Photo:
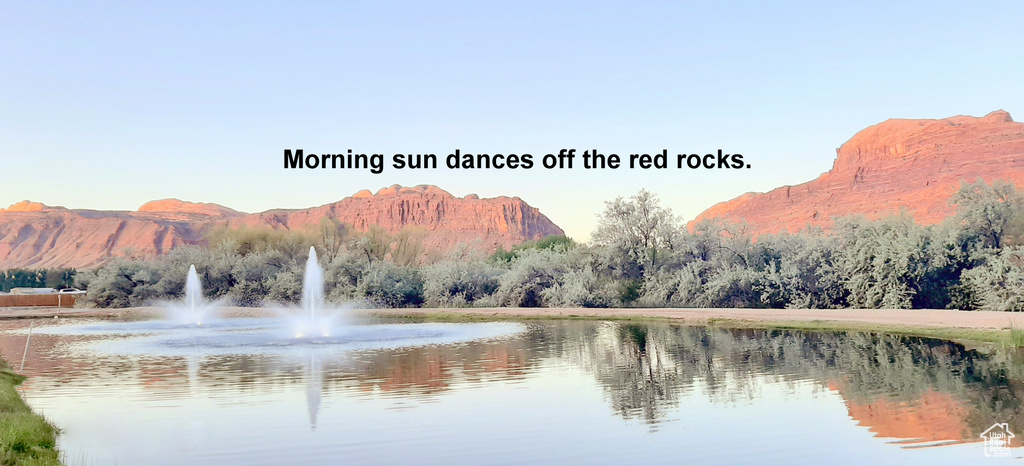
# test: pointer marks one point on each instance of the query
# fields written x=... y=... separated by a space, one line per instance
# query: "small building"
x=50 y=297
x=24 y=291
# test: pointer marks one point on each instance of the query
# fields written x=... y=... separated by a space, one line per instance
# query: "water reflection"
x=909 y=388
x=915 y=392
x=314 y=388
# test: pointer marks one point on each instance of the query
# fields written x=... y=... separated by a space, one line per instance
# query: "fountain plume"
x=194 y=310
x=314 y=323
x=193 y=294
x=313 y=286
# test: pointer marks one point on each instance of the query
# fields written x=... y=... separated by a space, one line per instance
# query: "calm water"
x=560 y=392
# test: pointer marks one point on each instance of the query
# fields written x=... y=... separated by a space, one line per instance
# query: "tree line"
x=640 y=255
x=36 y=278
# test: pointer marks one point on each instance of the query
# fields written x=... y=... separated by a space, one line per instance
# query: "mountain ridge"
x=35 y=235
x=910 y=164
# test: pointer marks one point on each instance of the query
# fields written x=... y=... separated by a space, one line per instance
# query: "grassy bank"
x=1009 y=338
x=25 y=437
x=1004 y=338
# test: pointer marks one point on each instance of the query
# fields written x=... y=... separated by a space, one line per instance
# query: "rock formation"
x=39 y=236
x=897 y=164
x=185 y=209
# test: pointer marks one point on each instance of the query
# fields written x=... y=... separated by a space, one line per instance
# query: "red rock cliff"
x=912 y=164
x=34 y=235
x=483 y=224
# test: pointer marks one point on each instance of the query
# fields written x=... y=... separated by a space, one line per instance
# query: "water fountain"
x=193 y=295
x=189 y=331
x=313 y=322
x=194 y=310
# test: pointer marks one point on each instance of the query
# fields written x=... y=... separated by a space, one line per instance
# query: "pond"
x=536 y=392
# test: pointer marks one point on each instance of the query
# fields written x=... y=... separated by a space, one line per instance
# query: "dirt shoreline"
x=927 y=319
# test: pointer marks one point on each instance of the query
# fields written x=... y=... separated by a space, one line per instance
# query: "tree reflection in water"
x=903 y=387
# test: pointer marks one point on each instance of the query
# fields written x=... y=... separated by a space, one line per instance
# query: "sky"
x=108 y=105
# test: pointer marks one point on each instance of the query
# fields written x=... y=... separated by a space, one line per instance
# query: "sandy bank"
x=879 y=317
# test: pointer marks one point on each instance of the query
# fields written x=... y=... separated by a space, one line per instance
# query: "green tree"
x=992 y=215
x=998 y=283
x=881 y=262
x=640 y=229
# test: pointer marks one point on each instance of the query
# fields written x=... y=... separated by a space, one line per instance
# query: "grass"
x=959 y=335
x=456 y=316
x=1011 y=337
x=1016 y=338
x=25 y=437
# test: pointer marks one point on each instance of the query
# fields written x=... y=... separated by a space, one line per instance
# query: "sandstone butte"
x=914 y=165
x=39 y=236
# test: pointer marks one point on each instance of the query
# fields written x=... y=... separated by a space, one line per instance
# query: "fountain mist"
x=313 y=323
x=193 y=294
x=194 y=309
x=313 y=286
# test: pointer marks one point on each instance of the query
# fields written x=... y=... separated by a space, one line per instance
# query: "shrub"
x=528 y=275
x=458 y=284
x=389 y=285
x=998 y=284
x=581 y=288
x=122 y=284
x=881 y=262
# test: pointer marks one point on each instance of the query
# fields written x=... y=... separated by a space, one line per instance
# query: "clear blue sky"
x=109 y=105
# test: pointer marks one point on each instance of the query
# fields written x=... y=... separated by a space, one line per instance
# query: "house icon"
x=997 y=439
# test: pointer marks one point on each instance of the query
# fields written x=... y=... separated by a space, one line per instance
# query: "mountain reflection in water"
x=915 y=392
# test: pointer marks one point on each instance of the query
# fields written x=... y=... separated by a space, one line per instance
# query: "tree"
x=992 y=215
x=332 y=236
x=640 y=229
x=373 y=243
x=407 y=246
x=800 y=272
x=881 y=261
x=998 y=284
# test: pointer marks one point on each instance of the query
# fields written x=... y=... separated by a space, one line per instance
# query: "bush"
x=881 y=262
x=998 y=284
x=122 y=284
x=528 y=275
x=458 y=284
x=641 y=255
x=386 y=284
x=699 y=284
x=559 y=243
x=582 y=288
